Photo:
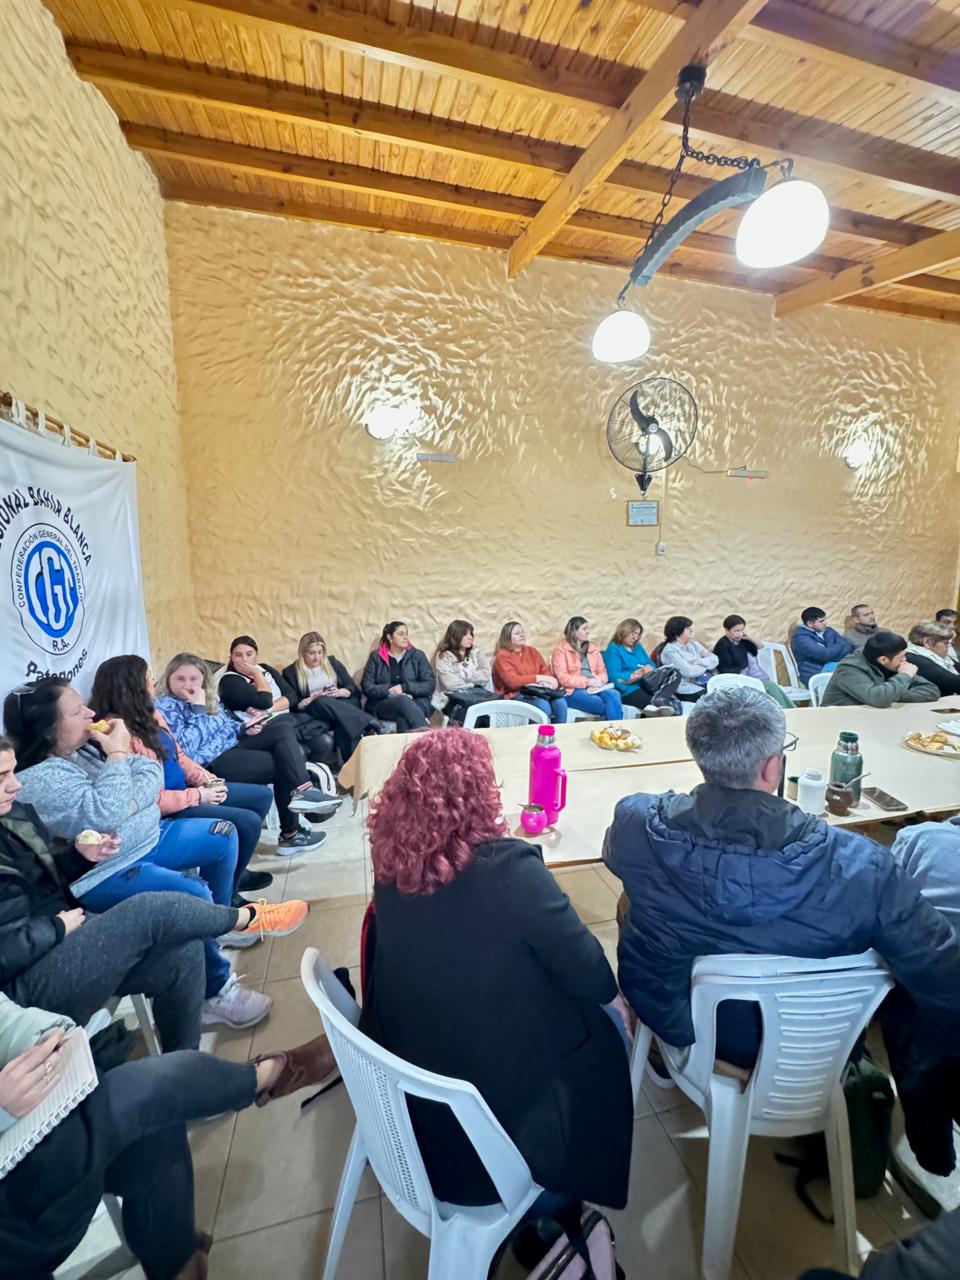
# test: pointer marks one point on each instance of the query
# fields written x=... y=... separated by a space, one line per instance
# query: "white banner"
x=70 y=588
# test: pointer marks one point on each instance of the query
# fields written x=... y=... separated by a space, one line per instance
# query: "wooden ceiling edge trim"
x=280 y=166
x=889 y=268
x=284 y=167
x=714 y=22
x=269 y=206
x=366 y=122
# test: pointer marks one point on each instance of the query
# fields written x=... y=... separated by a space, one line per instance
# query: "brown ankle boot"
x=196 y=1268
x=309 y=1064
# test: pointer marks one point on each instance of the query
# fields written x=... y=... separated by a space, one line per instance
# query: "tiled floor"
x=267 y=1179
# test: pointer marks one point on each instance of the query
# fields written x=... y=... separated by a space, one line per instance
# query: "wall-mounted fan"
x=651 y=426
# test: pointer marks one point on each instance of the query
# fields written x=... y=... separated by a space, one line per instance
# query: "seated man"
x=864 y=625
x=816 y=646
x=732 y=868
x=879 y=676
x=948 y=618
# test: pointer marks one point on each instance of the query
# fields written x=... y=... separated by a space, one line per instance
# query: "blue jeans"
x=606 y=704
x=183 y=845
x=246 y=806
x=555 y=709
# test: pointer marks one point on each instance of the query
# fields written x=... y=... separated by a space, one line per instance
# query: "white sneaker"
x=235 y=1005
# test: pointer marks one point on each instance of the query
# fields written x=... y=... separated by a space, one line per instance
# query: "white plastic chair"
x=813 y=1011
x=767 y=658
x=463 y=1240
x=144 y=1015
x=504 y=714
x=733 y=678
x=818 y=687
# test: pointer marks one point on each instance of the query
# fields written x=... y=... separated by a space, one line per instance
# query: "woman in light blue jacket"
x=634 y=676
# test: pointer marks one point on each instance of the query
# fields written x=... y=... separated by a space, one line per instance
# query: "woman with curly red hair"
x=482 y=970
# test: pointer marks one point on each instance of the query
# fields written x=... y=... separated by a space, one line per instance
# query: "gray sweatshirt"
x=115 y=797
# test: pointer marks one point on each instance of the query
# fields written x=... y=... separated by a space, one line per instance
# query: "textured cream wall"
x=84 y=296
x=285 y=332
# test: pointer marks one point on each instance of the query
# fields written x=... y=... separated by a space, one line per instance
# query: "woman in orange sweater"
x=519 y=671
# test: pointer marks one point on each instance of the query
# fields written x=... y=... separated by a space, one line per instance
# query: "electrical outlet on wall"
x=661 y=548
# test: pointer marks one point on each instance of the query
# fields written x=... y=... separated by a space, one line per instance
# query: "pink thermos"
x=548 y=780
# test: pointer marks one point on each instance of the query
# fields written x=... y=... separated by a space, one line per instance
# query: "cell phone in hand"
x=883 y=800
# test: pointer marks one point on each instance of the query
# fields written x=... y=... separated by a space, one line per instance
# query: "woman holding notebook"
x=67 y=1137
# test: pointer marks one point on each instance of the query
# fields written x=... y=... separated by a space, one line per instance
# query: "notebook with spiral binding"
x=78 y=1080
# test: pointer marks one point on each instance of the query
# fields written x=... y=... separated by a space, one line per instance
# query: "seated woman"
x=256 y=693
x=929 y=651
x=471 y=920
x=520 y=671
x=78 y=778
x=580 y=672
x=463 y=673
x=123 y=689
x=325 y=690
x=53 y=954
x=254 y=753
x=640 y=684
x=397 y=681
x=736 y=654
x=127 y=1137
x=688 y=656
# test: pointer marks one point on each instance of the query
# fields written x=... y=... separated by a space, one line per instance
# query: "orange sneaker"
x=275 y=919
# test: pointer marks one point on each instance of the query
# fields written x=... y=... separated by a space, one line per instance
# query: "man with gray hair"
x=733 y=868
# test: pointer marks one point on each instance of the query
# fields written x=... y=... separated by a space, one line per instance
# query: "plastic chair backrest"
x=379 y=1083
x=813 y=1012
x=818 y=687
x=767 y=658
x=504 y=714
x=732 y=678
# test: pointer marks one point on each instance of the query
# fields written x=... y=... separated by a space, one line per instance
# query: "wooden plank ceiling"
x=540 y=126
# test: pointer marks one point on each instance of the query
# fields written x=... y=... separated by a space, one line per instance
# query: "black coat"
x=494 y=979
x=948 y=682
x=33 y=889
x=344 y=681
x=416 y=678
x=237 y=693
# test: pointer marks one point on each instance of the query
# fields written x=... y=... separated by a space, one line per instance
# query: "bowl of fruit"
x=611 y=738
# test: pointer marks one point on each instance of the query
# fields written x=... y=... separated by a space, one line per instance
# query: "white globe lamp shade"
x=620 y=336
x=387 y=421
x=783 y=225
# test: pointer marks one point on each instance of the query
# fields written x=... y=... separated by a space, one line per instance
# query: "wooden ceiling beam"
x=714 y=22
x=835 y=42
x=295 y=106
x=418 y=49
x=922 y=173
x=889 y=268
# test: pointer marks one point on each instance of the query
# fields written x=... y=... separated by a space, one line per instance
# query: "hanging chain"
x=688 y=94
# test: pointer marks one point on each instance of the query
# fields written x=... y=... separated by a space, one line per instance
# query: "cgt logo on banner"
x=69 y=561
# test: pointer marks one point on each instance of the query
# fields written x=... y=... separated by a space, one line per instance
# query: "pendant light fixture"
x=784 y=222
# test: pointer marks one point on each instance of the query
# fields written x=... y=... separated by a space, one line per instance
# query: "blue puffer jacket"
x=814 y=649
x=724 y=872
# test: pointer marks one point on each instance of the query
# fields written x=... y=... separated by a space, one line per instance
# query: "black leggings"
x=272 y=755
x=408 y=713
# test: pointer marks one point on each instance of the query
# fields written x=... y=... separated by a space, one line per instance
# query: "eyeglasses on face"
x=790 y=743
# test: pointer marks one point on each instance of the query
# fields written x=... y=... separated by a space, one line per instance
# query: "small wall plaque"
x=643 y=514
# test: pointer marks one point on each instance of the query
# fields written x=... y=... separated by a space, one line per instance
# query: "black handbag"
x=542 y=691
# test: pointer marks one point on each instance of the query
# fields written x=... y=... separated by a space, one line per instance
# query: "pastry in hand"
x=89 y=837
x=99 y=726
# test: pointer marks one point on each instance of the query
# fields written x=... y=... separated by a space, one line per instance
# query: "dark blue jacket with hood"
x=723 y=871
